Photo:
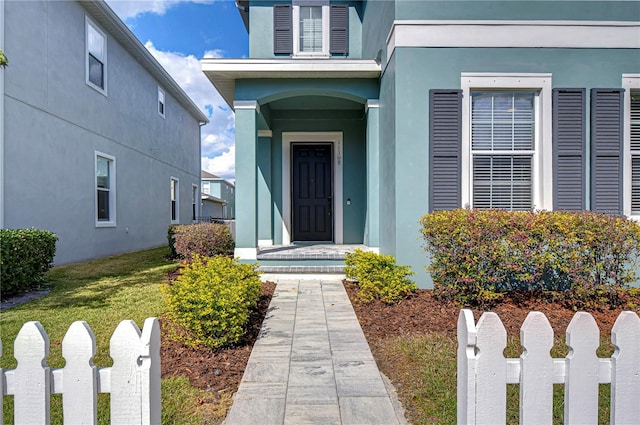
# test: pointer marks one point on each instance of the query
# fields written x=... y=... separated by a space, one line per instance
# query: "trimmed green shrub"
x=211 y=300
x=478 y=255
x=25 y=256
x=205 y=239
x=379 y=277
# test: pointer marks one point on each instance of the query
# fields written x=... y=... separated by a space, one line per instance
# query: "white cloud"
x=223 y=165
x=218 y=137
x=130 y=9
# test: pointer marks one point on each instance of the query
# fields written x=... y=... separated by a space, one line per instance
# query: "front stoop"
x=302 y=259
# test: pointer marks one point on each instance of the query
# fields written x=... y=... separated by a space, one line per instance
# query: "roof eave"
x=223 y=73
x=102 y=13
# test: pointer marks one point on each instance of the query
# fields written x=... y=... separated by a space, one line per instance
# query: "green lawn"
x=426 y=367
x=101 y=292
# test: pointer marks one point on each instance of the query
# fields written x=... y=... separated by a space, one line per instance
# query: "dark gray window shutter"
x=606 y=150
x=282 y=29
x=569 y=138
x=445 y=138
x=339 y=29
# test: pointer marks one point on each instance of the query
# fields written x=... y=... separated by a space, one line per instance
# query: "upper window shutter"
x=606 y=150
x=445 y=139
x=568 y=149
x=339 y=34
x=282 y=29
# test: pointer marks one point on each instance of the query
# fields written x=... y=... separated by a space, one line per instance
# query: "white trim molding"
x=542 y=196
x=223 y=73
x=246 y=253
x=312 y=137
x=265 y=133
x=265 y=242
x=2 y=118
x=371 y=103
x=246 y=104
x=629 y=82
x=496 y=33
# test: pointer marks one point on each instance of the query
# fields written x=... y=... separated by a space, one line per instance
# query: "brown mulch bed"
x=421 y=313
x=214 y=370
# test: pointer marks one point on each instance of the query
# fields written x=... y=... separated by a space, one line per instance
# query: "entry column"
x=246 y=178
x=372 y=237
x=265 y=202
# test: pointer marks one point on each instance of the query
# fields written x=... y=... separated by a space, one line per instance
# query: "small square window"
x=161 y=102
x=96 y=57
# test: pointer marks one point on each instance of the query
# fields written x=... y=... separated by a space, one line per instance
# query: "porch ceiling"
x=223 y=73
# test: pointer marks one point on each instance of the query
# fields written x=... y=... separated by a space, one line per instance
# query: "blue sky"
x=180 y=33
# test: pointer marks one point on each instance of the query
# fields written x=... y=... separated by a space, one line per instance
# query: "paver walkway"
x=311 y=363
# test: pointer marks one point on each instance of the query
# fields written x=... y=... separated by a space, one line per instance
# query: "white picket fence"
x=133 y=381
x=484 y=372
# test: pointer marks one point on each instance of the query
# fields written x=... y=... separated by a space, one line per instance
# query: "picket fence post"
x=31 y=403
x=536 y=379
x=133 y=356
x=466 y=367
x=581 y=378
x=133 y=380
x=625 y=370
x=483 y=372
x=80 y=385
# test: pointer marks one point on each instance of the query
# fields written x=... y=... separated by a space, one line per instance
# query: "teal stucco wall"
x=404 y=100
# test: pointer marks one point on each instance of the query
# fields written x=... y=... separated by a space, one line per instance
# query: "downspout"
x=2 y=71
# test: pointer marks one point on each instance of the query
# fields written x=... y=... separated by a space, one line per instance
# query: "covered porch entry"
x=307 y=160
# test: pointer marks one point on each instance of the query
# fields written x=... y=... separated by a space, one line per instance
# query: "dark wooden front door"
x=312 y=192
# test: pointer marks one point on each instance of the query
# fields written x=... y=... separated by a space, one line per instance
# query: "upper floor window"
x=161 y=102
x=105 y=190
x=96 y=55
x=310 y=31
x=311 y=28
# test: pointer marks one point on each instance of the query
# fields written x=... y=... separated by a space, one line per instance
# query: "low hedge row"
x=204 y=239
x=477 y=255
x=25 y=256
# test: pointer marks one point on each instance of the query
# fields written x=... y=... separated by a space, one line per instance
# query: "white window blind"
x=311 y=28
x=635 y=152
x=502 y=147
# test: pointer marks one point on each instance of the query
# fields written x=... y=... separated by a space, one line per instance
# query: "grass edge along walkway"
x=101 y=292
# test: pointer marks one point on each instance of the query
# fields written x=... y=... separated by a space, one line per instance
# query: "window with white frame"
x=507 y=158
x=96 y=54
x=311 y=28
x=194 y=202
x=503 y=131
x=161 y=102
x=631 y=167
x=105 y=172
x=175 y=200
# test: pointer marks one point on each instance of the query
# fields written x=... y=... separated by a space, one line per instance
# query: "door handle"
x=330 y=204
